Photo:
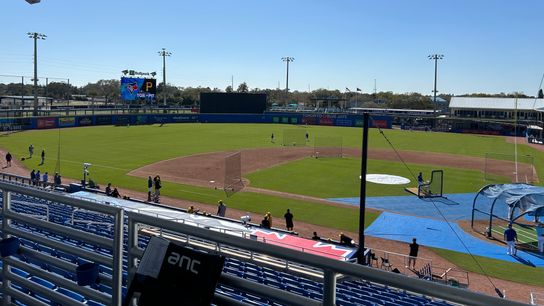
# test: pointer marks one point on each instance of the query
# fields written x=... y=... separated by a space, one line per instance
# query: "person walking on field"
x=149 y=188
x=511 y=238
x=43 y=157
x=31 y=150
x=8 y=160
x=288 y=220
x=272 y=138
x=414 y=249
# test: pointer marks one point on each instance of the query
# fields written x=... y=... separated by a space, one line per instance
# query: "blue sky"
x=488 y=45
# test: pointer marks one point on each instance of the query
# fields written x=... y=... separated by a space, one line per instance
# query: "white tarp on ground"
x=387 y=179
x=160 y=212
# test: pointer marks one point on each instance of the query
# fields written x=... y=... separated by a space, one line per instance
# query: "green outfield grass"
x=339 y=177
x=495 y=268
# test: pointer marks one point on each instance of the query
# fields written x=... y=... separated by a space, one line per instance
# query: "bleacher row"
x=349 y=292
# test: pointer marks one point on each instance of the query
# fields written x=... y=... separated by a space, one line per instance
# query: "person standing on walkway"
x=511 y=238
x=540 y=236
x=221 y=208
x=414 y=249
x=149 y=188
x=45 y=179
x=38 y=177
x=288 y=220
x=158 y=186
x=8 y=160
x=33 y=177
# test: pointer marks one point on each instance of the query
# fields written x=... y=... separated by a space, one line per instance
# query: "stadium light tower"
x=36 y=36
x=435 y=57
x=164 y=54
x=287 y=59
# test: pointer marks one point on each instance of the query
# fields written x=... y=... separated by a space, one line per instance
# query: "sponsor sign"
x=83 y=121
x=67 y=121
x=46 y=123
x=103 y=120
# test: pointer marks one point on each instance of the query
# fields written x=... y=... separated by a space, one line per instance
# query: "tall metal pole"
x=36 y=36
x=164 y=54
x=435 y=57
x=287 y=59
x=361 y=259
x=164 y=79
x=35 y=74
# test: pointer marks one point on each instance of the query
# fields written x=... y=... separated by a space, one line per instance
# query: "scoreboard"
x=138 y=89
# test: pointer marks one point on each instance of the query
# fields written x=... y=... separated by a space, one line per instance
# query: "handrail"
x=328 y=265
x=115 y=244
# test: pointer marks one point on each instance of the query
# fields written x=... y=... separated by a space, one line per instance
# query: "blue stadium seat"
x=73 y=295
x=93 y=303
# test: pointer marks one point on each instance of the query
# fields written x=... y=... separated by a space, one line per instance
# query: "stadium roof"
x=497 y=103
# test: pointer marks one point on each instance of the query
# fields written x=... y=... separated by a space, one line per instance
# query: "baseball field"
x=189 y=156
x=190 y=160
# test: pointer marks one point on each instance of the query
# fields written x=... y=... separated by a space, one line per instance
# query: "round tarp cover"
x=387 y=179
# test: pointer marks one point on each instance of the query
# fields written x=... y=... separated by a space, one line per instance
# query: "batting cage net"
x=328 y=146
x=499 y=167
x=233 y=174
x=294 y=137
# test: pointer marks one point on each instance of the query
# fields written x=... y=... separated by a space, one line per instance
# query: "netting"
x=294 y=137
x=328 y=146
x=233 y=174
x=509 y=168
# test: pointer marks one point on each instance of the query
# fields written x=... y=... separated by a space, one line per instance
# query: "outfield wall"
x=350 y=120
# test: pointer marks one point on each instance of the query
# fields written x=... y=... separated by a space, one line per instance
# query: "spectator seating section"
x=349 y=292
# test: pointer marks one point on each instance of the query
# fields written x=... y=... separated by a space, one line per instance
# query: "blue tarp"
x=528 y=198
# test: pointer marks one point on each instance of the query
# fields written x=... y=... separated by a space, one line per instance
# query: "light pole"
x=36 y=36
x=435 y=57
x=164 y=54
x=287 y=59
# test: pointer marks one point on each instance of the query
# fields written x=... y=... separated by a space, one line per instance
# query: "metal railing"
x=11 y=113
x=331 y=268
x=12 y=225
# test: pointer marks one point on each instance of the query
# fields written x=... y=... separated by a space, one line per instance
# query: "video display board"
x=138 y=89
x=239 y=103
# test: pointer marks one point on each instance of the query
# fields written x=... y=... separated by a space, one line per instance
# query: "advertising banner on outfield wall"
x=141 y=119
x=159 y=118
x=47 y=123
x=103 y=120
x=185 y=118
x=84 y=121
x=67 y=121
x=121 y=120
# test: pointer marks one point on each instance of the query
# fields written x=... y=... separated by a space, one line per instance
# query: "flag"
x=347 y=89
x=359 y=89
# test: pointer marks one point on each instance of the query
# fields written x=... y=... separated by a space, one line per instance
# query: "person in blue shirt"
x=511 y=238
x=420 y=179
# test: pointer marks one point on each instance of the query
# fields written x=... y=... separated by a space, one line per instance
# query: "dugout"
x=237 y=103
x=508 y=202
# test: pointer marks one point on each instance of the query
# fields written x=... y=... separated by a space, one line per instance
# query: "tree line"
x=109 y=90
